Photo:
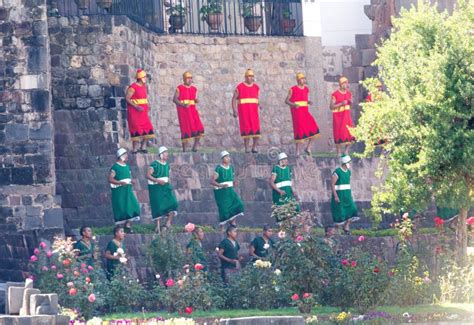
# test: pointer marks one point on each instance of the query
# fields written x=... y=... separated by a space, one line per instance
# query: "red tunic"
x=189 y=121
x=248 y=110
x=304 y=124
x=138 y=122
x=341 y=118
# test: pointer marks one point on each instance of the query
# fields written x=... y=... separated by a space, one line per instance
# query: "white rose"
x=123 y=260
x=120 y=251
x=277 y=272
x=266 y=246
x=157 y=276
x=115 y=254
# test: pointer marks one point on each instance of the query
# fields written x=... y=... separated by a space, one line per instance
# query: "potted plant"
x=212 y=14
x=251 y=21
x=177 y=15
x=286 y=23
x=82 y=4
x=104 y=4
x=304 y=303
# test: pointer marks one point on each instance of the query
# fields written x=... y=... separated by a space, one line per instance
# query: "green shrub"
x=166 y=255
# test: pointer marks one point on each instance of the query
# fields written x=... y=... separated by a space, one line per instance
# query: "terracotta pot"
x=253 y=23
x=215 y=20
x=104 y=4
x=83 y=4
x=177 y=22
x=287 y=25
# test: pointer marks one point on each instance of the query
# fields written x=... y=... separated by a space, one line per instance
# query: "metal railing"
x=215 y=17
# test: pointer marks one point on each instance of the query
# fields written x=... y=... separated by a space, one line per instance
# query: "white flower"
x=277 y=272
x=94 y=321
x=115 y=254
x=157 y=276
x=281 y=234
x=406 y=315
x=120 y=251
x=452 y=316
x=266 y=246
x=217 y=248
x=123 y=260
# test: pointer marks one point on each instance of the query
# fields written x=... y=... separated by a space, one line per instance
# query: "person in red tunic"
x=245 y=102
x=370 y=99
x=139 y=124
x=341 y=101
x=190 y=123
x=304 y=124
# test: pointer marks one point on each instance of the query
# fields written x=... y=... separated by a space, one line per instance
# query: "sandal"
x=254 y=151
x=307 y=152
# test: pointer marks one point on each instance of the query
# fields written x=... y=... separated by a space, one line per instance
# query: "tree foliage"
x=426 y=111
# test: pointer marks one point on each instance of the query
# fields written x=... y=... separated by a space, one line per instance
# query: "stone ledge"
x=34 y=320
x=273 y=320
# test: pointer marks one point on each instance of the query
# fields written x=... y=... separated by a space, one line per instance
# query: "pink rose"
x=59 y=276
x=49 y=254
x=91 y=297
x=188 y=310
x=33 y=258
x=353 y=263
x=44 y=268
x=198 y=267
x=84 y=271
x=70 y=284
x=295 y=297
x=83 y=265
x=306 y=295
x=42 y=244
x=361 y=238
x=189 y=227
x=90 y=268
x=470 y=221
x=169 y=283
x=72 y=291
x=53 y=267
x=36 y=251
x=299 y=238
x=345 y=262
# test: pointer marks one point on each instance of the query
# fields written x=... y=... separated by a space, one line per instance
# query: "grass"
x=460 y=309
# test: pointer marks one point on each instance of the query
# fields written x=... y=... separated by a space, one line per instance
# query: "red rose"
x=376 y=270
x=188 y=310
x=198 y=267
x=72 y=291
x=438 y=221
x=345 y=262
x=306 y=295
x=66 y=263
x=353 y=263
x=295 y=297
x=169 y=283
x=470 y=221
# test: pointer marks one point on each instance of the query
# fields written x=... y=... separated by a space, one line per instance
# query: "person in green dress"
x=162 y=199
x=343 y=208
x=281 y=183
x=85 y=247
x=194 y=248
x=228 y=253
x=115 y=252
x=228 y=202
x=125 y=205
x=261 y=246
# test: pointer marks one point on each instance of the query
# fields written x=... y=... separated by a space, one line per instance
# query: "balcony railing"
x=215 y=17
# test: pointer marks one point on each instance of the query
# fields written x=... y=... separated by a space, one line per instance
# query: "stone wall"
x=28 y=205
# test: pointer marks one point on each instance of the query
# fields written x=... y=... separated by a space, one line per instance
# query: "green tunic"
x=124 y=203
x=197 y=253
x=162 y=198
x=111 y=265
x=231 y=251
x=446 y=213
x=228 y=202
x=284 y=183
x=86 y=251
x=346 y=207
x=259 y=244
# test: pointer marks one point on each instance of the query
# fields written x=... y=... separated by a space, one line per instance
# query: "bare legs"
x=254 y=145
x=339 y=148
x=195 y=145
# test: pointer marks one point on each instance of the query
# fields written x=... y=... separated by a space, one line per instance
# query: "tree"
x=426 y=113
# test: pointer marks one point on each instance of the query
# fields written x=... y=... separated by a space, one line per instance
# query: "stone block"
x=16 y=133
x=33 y=211
x=40 y=101
x=354 y=74
x=27 y=200
x=269 y=320
x=25 y=307
x=5 y=176
x=22 y=176
x=37 y=60
x=31 y=223
x=33 y=81
x=44 y=132
x=15 y=299
x=44 y=304
x=368 y=56
x=6 y=288
x=53 y=218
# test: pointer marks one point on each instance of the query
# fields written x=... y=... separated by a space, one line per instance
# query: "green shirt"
x=259 y=244
x=86 y=251
x=121 y=171
x=112 y=247
x=160 y=169
x=224 y=174
x=231 y=251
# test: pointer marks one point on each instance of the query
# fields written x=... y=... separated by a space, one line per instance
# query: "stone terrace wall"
x=28 y=205
x=88 y=193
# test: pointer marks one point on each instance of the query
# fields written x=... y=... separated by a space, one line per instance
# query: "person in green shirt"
x=125 y=205
x=343 y=208
x=115 y=251
x=281 y=182
x=85 y=246
x=261 y=246
x=228 y=202
x=162 y=199
x=228 y=253
x=194 y=248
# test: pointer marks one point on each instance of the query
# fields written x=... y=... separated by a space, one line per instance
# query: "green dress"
x=162 y=198
x=197 y=253
x=346 y=207
x=284 y=183
x=228 y=202
x=111 y=265
x=231 y=251
x=86 y=251
x=259 y=244
x=124 y=203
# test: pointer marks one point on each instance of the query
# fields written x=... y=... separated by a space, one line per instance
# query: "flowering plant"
x=259 y=264
x=304 y=303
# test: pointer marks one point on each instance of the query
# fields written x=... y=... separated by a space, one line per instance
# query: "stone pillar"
x=28 y=204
